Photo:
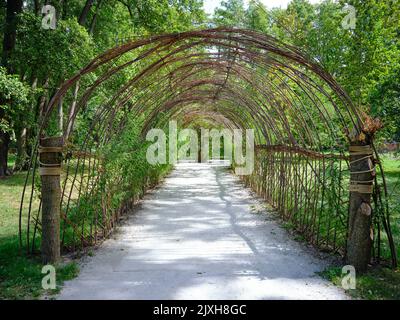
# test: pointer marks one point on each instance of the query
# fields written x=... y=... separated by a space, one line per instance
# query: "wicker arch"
x=304 y=123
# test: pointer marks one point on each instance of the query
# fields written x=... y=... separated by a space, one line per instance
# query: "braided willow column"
x=50 y=170
x=360 y=235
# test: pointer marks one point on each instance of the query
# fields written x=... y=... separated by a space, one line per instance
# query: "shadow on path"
x=196 y=237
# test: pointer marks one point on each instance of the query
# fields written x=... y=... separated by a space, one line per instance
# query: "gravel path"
x=201 y=236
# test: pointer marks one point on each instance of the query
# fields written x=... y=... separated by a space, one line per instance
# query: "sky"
x=209 y=5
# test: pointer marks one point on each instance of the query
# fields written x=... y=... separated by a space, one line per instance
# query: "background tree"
x=13 y=8
x=231 y=13
x=13 y=96
x=43 y=59
x=365 y=61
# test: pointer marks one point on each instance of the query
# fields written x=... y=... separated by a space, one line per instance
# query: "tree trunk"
x=65 y=9
x=13 y=8
x=10 y=30
x=85 y=12
x=36 y=7
x=22 y=160
x=30 y=129
x=40 y=110
x=51 y=198
x=4 y=145
x=360 y=234
x=70 y=122
x=94 y=19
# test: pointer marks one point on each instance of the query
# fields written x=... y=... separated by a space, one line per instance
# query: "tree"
x=13 y=97
x=258 y=17
x=385 y=104
x=231 y=13
x=364 y=60
x=10 y=28
x=85 y=11
x=14 y=7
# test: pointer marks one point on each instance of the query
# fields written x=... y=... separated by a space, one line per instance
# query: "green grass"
x=380 y=283
x=20 y=275
x=391 y=167
x=377 y=284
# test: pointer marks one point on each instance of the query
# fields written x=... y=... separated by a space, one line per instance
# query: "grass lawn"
x=20 y=276
x=380 y=283
x=392 y=173
x=377 y=284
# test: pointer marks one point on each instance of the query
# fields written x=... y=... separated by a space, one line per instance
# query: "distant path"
x=200 y=237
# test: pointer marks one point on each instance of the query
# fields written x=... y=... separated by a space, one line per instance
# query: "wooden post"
x=360 y=233
x=50 y=170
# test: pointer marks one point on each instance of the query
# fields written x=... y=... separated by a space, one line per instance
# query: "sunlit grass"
x=391 y=167
x=20 y=275
x=377 y=284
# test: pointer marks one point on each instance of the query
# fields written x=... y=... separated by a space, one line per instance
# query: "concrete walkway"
x=201 y=236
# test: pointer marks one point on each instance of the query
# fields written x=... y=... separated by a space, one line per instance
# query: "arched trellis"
x=304 y=123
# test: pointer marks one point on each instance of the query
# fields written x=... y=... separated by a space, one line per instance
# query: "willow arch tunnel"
x=315 y=159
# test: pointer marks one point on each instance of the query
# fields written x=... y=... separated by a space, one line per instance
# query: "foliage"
x=124 y=177
x=231 y=14
x=14 y=98
x=364 y=61
x=120 y=21
x=128 y=173
x=56 y=54
x=385 y=103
